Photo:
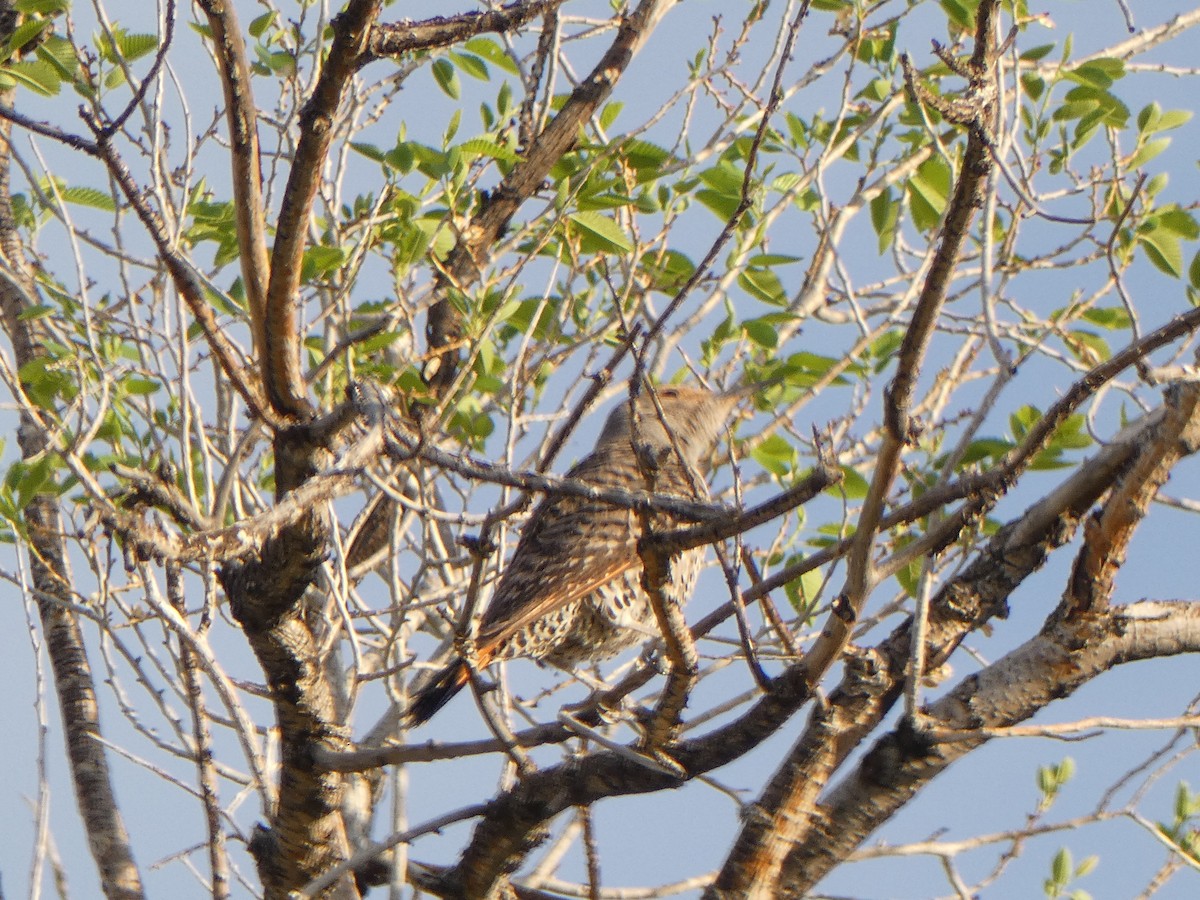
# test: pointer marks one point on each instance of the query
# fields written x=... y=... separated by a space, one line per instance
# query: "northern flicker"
x=572 y=591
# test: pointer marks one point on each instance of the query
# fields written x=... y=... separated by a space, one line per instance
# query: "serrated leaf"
x=447 y=78
x=1148 y=151
x=1100 y=73
x=36 y=74
x=472 y=65
x=370 y=151
x=493 y=53
x=129 y=46
x=1179 y=221
x=319 y=261
x=86 y=196
x=484 y=147
x=646 y=159
x=605 y=229
x=1163 y=250
x=667 y=270
x=26 y=32
x=58 y=52
x=764 y=285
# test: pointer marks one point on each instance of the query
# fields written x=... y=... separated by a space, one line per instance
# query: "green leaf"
x=38 y=75
x=42 y=7
x=1033 y=85
x=853 y=485
x=762 y=333
x=1148 y=151
x=771 y=259
x=1173 y=118
x=1163 y=250
x=1178 y=221
x=447 y=78
x=667 y=270
x=370 y=151
x=140 y=386
x=86 y=196
x=764 y=285
x=1060 y=869
x=776 y=455
x=33 y=479
x=259 y=26
x=885 y=214
x=493 y=53
x=607 y=232
x=725 y=178
x=321 y=261
x=1100 y=73
x=1113 y=318
x=878 y=90
x=1087 y=346
x=609 y=114
x=1024 y=419
x=802 y=592
x=32 y=313
x=127 y=47
x=504 y=104
x=1088 y=864
x=1183 y=802
x=724 y=205
x=59 y=53
x=985 y=448
x=26 y=32
x=1033 y=54
x=929 y=188
x=960 y=12
x=486 y=147
x=472 y=65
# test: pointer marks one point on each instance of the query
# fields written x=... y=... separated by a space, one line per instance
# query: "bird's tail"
x=437 y=693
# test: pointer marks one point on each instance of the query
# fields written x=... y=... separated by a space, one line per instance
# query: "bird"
x=572 y=591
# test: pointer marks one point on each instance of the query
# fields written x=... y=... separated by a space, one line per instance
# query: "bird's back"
x=573 y=587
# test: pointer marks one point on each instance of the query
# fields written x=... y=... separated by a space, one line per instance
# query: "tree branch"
x=1053 y=665
x=398 y=38
x=443 y=329
x=241 y=114
x=283 y=380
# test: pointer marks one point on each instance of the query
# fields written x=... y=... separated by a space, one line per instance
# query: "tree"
x=288 y=379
